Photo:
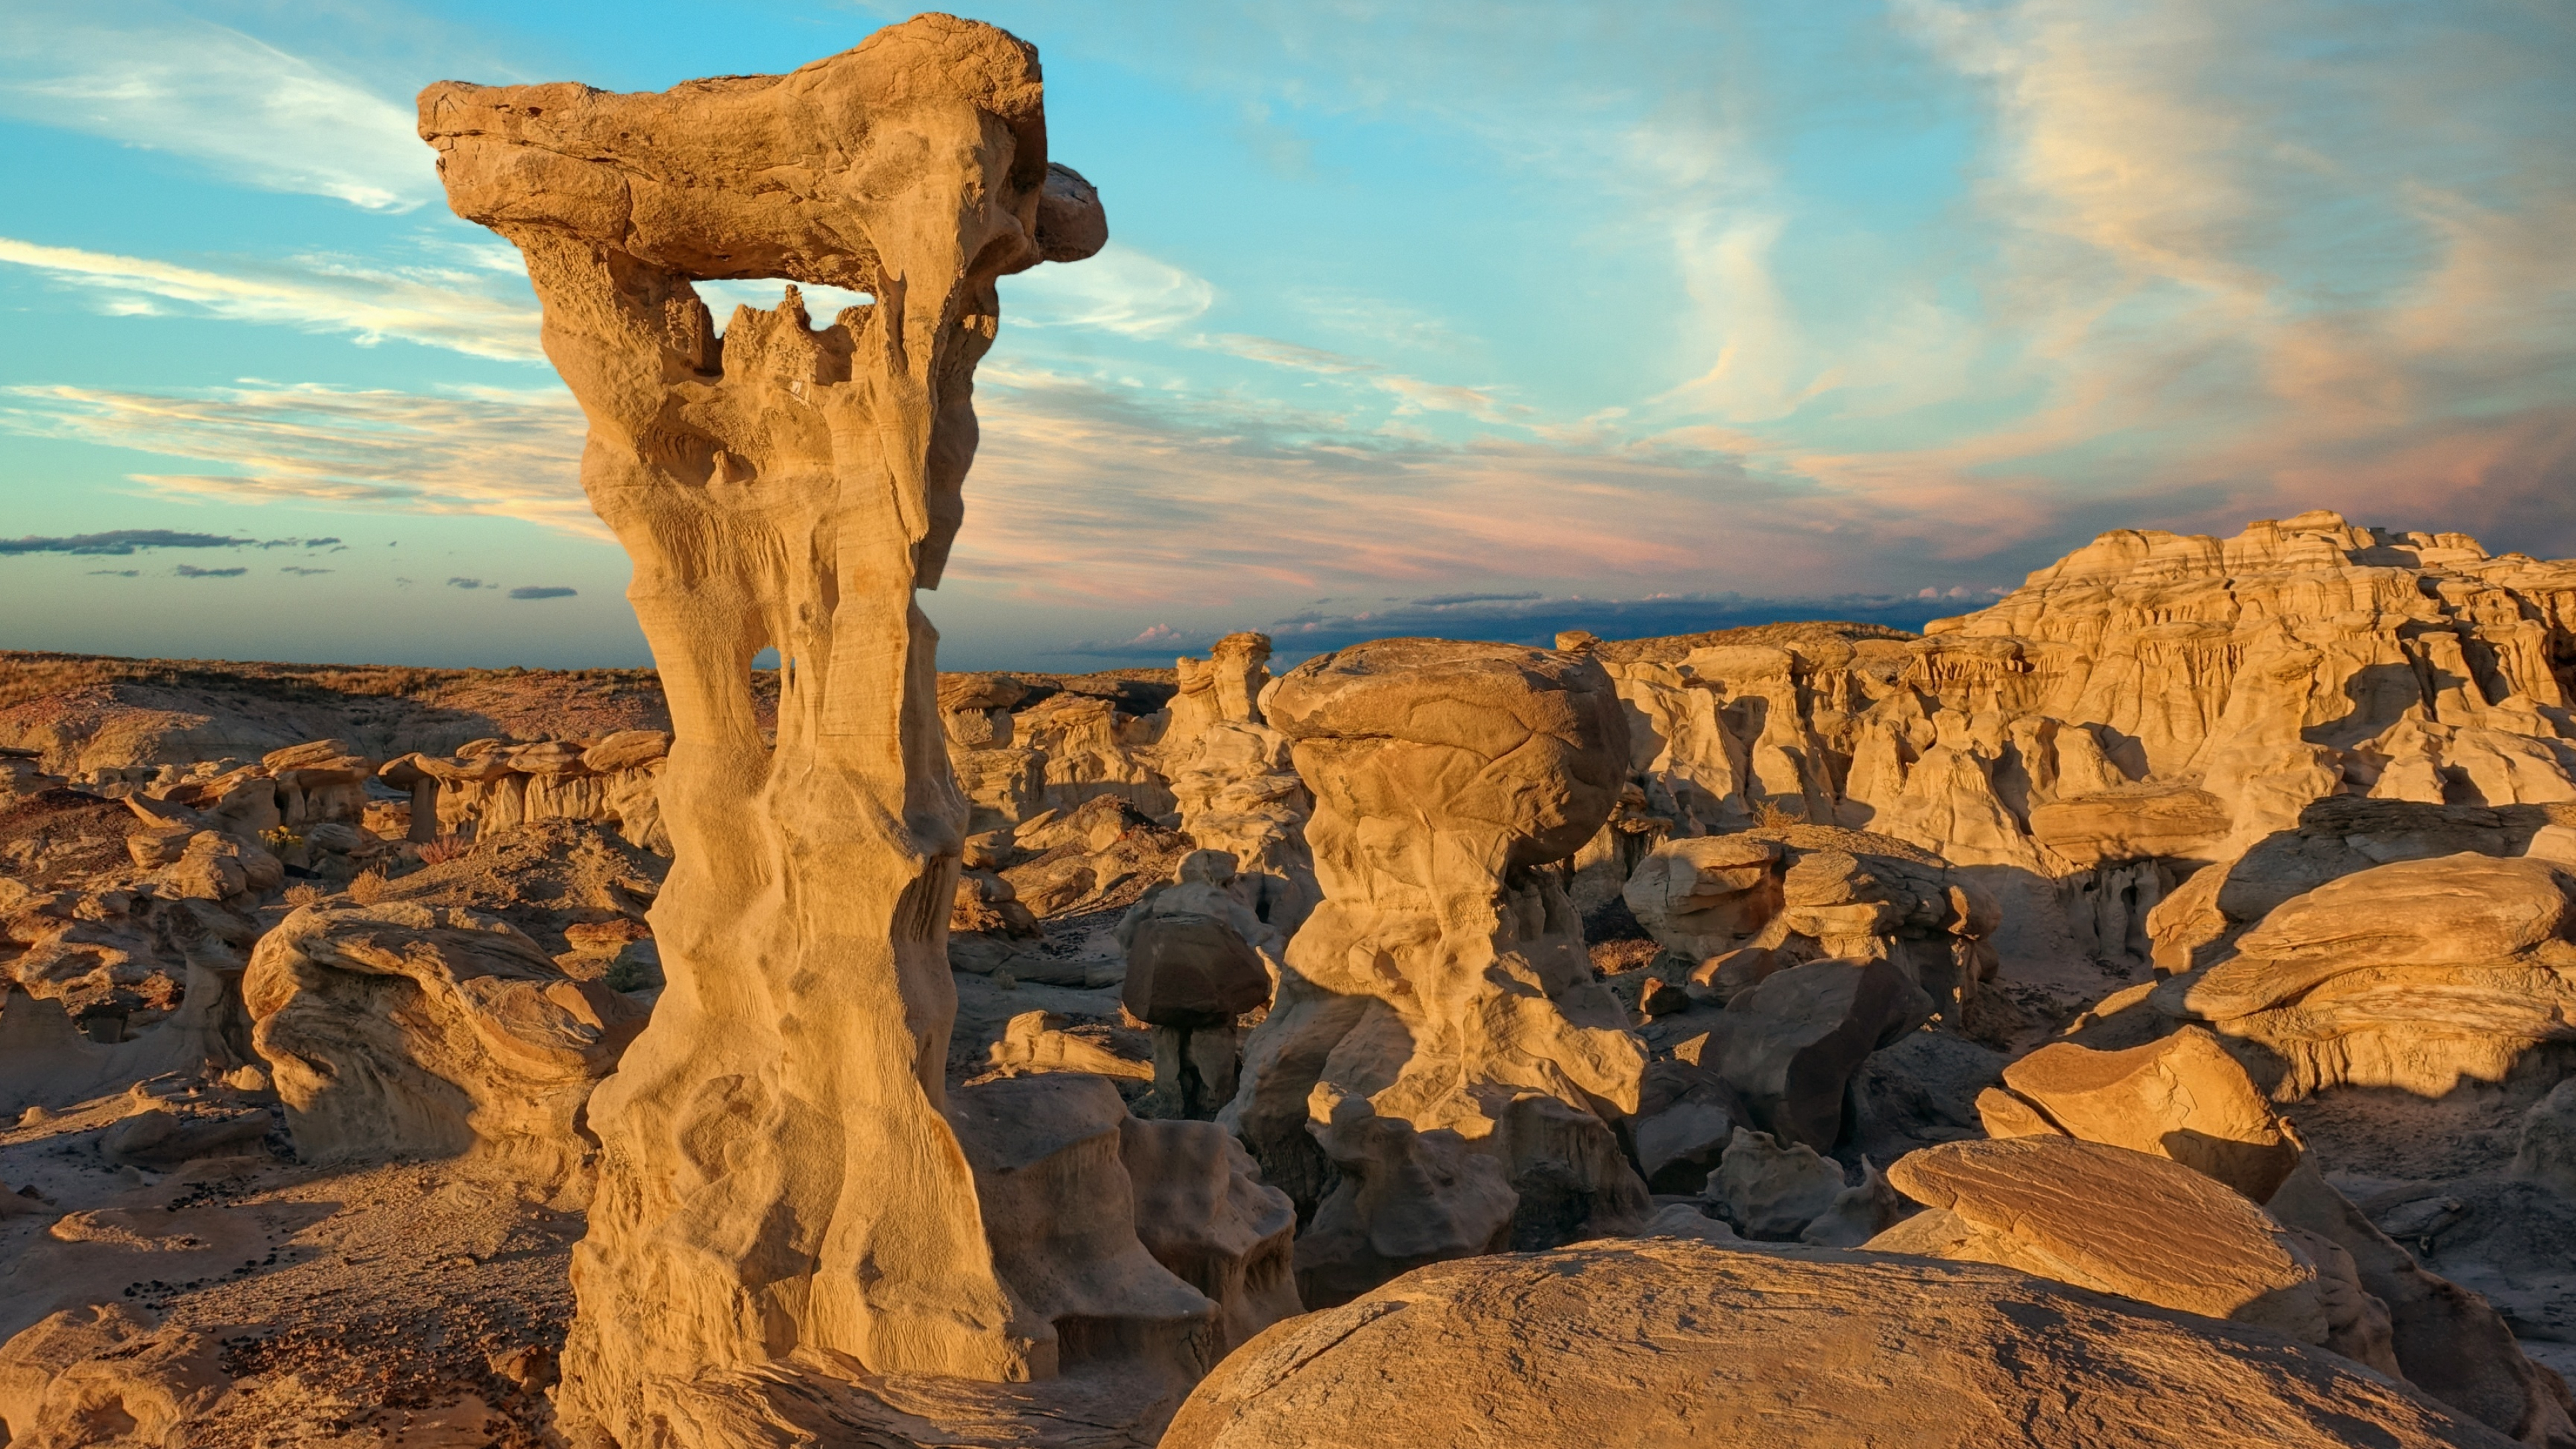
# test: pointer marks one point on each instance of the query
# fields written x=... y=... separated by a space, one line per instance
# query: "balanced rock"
x=1667 y=1341
x=1192 y=969
x=1441 y=991
x=777 y=1175
x=2108 y=1219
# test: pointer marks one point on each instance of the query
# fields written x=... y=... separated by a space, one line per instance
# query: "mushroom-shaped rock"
x=2182 y=1097
x=1665 y=1341
x=1442 y=987
x=417 y=1031
x=2108 y=1219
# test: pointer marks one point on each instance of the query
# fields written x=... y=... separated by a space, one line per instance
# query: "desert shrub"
x=445 y=848
x=1768 y=816
x=369 y=887
x=303 y=893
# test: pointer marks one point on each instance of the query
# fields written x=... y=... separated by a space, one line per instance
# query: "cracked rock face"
x=776 y=1171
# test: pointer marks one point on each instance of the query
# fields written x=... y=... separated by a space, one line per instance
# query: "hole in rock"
x=822 y=304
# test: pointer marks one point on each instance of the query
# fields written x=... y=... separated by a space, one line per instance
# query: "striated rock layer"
x=2148 y=704
x=1674 y=1342
x=776 y=1171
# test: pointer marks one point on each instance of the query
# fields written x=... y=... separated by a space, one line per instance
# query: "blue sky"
x=1472 y=319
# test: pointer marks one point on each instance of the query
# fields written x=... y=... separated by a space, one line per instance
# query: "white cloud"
x=436 y=308
x=511 y=454
x=1120 y=290
x=252 y=112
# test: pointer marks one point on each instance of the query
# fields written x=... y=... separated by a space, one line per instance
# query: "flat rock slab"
x=2108 y=1219
x=2182 y=1097
x=1671 y=1342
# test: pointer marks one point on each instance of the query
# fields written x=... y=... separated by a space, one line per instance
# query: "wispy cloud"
x=121 y=542
x=191 y=571
x=1087 y=490
x=458 y=311
x=1121 y=290
x=542 y=591
x=213 y=95
x=510 y=454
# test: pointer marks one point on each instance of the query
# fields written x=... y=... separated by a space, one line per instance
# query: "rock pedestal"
x=776 y=1172
x=1439 y=1072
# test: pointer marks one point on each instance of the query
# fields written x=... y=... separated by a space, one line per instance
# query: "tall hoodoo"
x=1438 y=1037
x=777 y=1173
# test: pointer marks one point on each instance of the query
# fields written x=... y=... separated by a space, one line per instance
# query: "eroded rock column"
x=777 y=1175
x=1438 y=1074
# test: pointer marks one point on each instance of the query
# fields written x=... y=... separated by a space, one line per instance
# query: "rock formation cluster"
x=2136 y=1013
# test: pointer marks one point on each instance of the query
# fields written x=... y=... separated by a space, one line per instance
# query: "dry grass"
x=1768 y=816
x=369 y=887
x=303 y=893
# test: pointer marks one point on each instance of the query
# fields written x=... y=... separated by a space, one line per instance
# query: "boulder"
x=1203 y=1212
x=1666 y=1341
x=1771 y=1192
x=1060 y=1211
x=2413 y=975
x=1686 y=1115
x=1189 y=970
x=2108 y=1219
x=1791 y=1044
x=2182 y=1097
x=416 y=1031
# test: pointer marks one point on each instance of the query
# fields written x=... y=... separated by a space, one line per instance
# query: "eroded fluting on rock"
x=1438 y=1074
x=776 y=1172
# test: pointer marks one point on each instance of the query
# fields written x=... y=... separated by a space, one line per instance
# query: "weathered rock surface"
x=2150 y=703
x=1736 y=908
x=776 y=1171
x=1666 y=1341
x=1791 y=1044
x=2415 y=975
x=2447 y=1340
x=1438 y=1038
x=2108 y=1219
x=412 y=1031
x=2183 y=1097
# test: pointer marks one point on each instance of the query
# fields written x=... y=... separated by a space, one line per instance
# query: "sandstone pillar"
x=777 y=1173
